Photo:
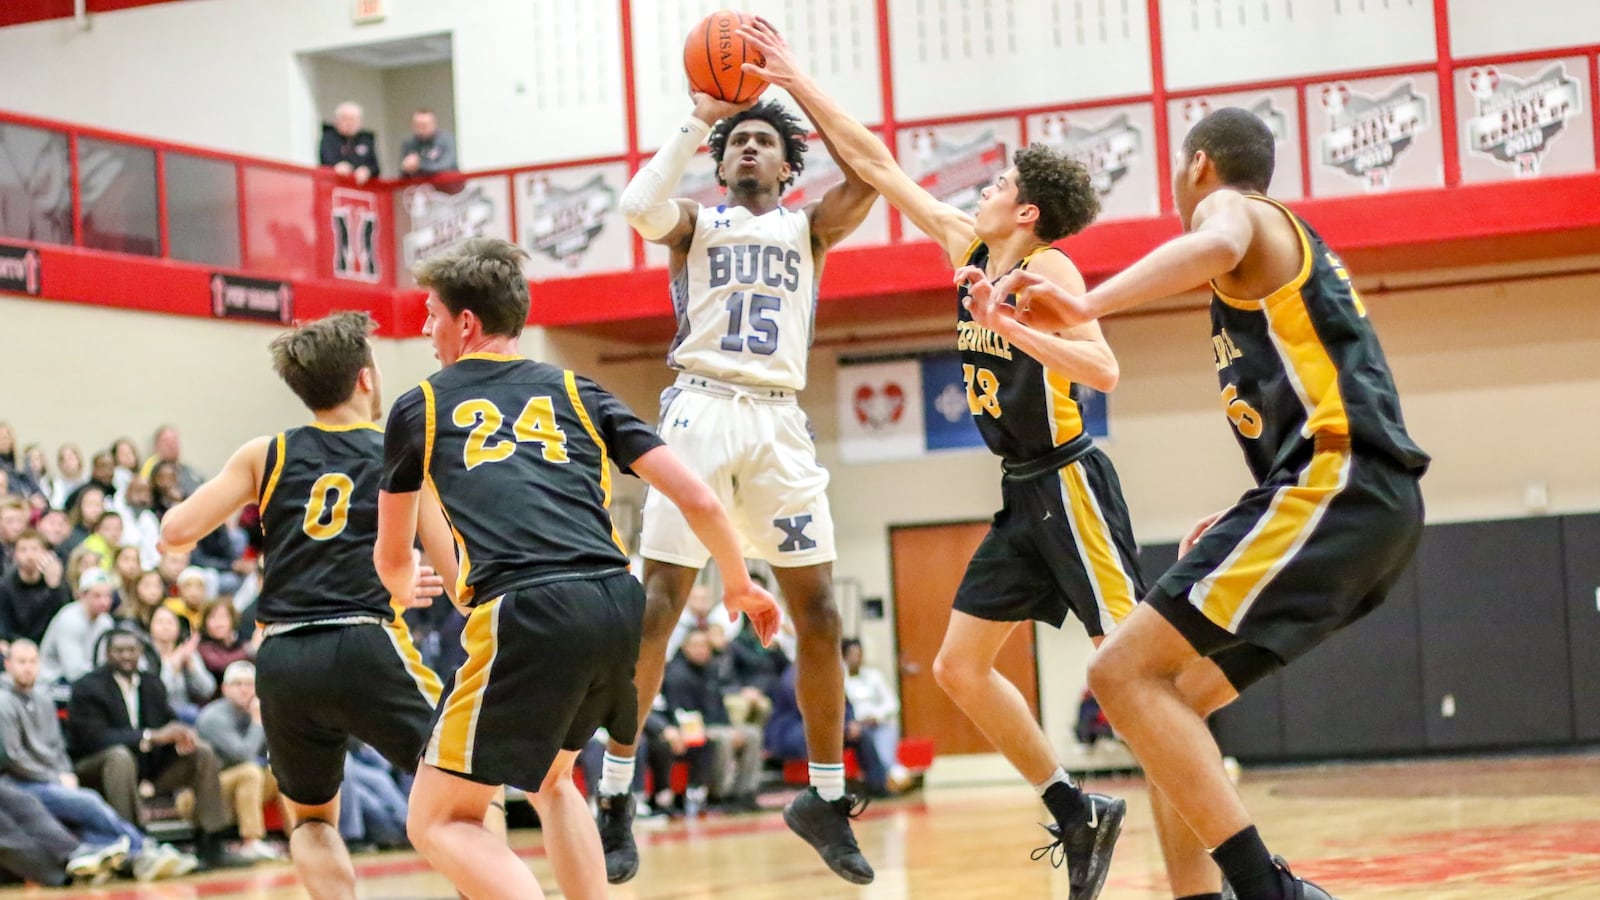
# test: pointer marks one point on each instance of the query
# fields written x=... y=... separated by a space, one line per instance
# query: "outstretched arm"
x=1220 y=234
x=1079 y=353
x=858 y=150
x=213 y=502
x=647 y=201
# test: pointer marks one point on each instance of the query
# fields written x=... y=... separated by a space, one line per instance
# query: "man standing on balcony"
x=428 y=151
x=351 y=150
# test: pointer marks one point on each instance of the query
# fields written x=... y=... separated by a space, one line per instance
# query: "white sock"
x=1059 y=776
x=828 y=779
x=616 y=775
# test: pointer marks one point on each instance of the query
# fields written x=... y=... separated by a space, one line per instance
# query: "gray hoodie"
x=34 y=747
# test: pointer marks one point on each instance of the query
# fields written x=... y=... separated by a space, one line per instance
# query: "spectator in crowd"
x=220 y=644
x=232 y=726
x=140 y=525
x=372 y=808
x=692 y=688
x=35 y=760
x=166 y=487
x=753 y=672
x=189 y=684
x=67 y=650
x=125 y=456
x=701 y=610
x=9 y=461
x=31 y=591
x=102 y=475
x=190 y=604
x=167 y=447
x=69 y=475
x=149 y=593
x=56 y=529
x=351 y=150
x=122 y=730
x=80 y=561
x=219 y=554
x=13 y=521
x=125 y=572
x=785 y=737
x=106 y=539
x=36 y=469
x=88 y=505
x=173 y=564
x=37 y=848
x=876 y=707
x=428 y=151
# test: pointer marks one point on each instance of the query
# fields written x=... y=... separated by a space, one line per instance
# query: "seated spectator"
x=149 y=593
x=876 y=707
x=121 y=730
x=56 y=529
x=694 y=691
x=701 y=610
x=35 y=847
x=10 y=463
x=82 y=560
x=190 y=603
x=220 y=644
x=85 y=510
x=172 y=564
x=785 y=737
x=232 y=726
x=107 y=537
x=67 y=650
x=125 y=456
x=69 y=475
x=218 y=554
x=1092 y=726
x=102 y=476
x=125 y=572
x=13 y=522
x=372 y=807
x=166 y=488
x=428 y=151
x=35 y=760
x=31 y=591
x=747 y=674
x=36 y=469
x=190 y=685
x=351 y=150
x=168 y=448
x=140 y=525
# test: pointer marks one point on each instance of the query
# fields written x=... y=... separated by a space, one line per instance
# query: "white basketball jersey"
x=746 y=300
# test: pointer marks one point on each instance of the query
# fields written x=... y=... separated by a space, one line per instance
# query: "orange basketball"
x=714 y=56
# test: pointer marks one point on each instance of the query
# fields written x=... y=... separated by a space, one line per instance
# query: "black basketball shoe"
x=1086 y=847
x=825 y=825
x=616 y=837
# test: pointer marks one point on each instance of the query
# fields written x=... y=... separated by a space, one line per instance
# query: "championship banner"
x=1374 y=135
x=1524 y=120
x=955 y=163
x=437 y=218
x=1276 y=107
x=1117 y=146
x=20 y=270
x=570 y=223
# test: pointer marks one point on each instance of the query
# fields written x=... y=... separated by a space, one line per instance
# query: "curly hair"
x=785 y=123
x=1059 y=185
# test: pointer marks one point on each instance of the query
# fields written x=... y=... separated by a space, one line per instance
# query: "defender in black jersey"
x=1061 y=543
x=518 y=454
x=1337 y=512
x=337 y=661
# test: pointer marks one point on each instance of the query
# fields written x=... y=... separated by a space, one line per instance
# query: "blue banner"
x=947 y=420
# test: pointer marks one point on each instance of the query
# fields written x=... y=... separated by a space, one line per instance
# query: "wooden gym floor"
x=1507 y=829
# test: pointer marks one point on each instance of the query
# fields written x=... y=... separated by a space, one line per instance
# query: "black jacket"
x=695 y=688
x=97 y=719
x=359 y=151
x=26 y=609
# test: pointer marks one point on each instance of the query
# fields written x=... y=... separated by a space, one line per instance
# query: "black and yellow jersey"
x=319 y=511
x=519 y=453
x=1022 y=409
x=1303 y=364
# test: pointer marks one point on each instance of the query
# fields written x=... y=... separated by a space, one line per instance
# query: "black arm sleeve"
x=403 y=444
x=627 y=437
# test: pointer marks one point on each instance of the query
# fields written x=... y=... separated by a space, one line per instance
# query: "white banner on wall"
x=1524 y=120
x=880 y=410
x=442 y=216
x=1374 y=135
x=1117 y=145
x=1276 y=107
x=569 y=221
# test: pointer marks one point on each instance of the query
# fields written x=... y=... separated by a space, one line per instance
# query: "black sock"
x=1248 y=866
x=1213 y=896
x=1067 y=803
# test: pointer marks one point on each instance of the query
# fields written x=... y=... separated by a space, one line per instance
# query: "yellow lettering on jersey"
x=1244 y=416
x=974 y=337
x=337 y=510
x=1344 y=275
x=484 y=418
x=537 y=424
x=985 y=381
x=1224 y=348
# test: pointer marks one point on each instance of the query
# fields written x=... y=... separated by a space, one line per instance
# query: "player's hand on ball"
x=755 y=602
x=1042 y=303
x=777 y=64
x=710 y=110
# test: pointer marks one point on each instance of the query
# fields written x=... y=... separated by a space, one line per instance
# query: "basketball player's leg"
x=819 y=686
x=569 y=834
x=666 y=591
x=320 y=857
x=1190 y=869
x=445 y=822
x=965 y=669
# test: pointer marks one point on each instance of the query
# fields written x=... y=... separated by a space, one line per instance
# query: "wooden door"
x=928 y=562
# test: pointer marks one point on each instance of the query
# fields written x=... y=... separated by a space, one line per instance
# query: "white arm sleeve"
x=647 y=201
